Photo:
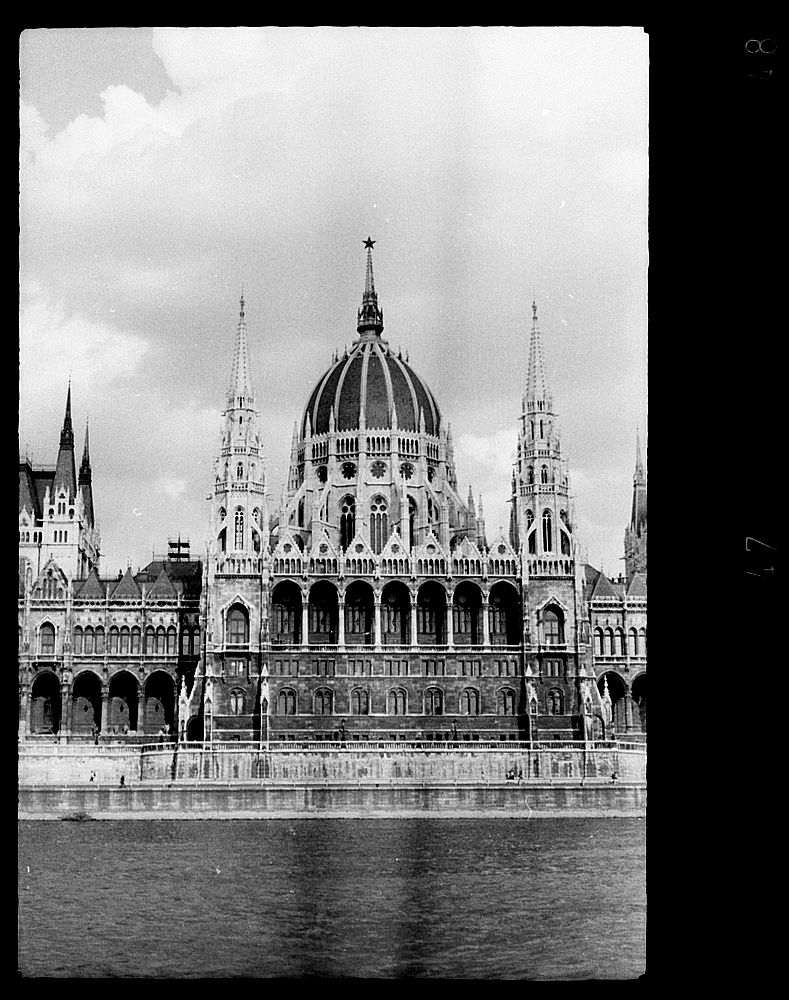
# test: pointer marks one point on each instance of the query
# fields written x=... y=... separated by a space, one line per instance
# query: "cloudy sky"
x=162 y=169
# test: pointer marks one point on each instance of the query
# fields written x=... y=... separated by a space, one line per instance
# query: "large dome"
x=373 y=377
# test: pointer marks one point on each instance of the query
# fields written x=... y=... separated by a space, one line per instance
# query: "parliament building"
x=369 y=603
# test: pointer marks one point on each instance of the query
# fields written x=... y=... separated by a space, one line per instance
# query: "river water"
x=547 y=899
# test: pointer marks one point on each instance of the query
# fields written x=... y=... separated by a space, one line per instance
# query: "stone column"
x=65 y=709
x=24 y=711
x=450 y=626
x=377 y=623
x=414 y=642
x=105 y=711
x=485 y=622
x=341 y=624
x=629 y=713
x=141 y=709
x=305 y=622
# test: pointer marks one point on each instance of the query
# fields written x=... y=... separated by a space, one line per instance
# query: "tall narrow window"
x=347 y=521
x=237 y=627
x=46 y=639
x=544 y=474
x=360 y=702
x=239 y=528
x=239 y=471
x=547 y=532
x=469 y=702
x=530 y=474
x=378 y=524
x=412 y=522
x=553 y=626
x=236 y=702
x=434 y=702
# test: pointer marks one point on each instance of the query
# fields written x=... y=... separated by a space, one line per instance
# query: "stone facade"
x=370 y=605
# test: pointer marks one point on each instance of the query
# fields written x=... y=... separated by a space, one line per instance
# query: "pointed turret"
x=86 y=479
x=370 y=321
x=636 y=532
x=65 y=471
x=536 y=383
x=240 y=392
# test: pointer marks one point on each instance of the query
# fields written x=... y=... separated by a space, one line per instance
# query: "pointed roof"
x=240 y=374
x=536 y=383
x=127 y=587
x=604 y=588
x=163 y=587
x=638 y=513
x=638 y=586
x=84 y=468
x=370 y=320
x=65 y=470
x=92 y=588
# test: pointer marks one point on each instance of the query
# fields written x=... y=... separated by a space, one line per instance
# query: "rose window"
x=348 y=470
x=406 y=470
x=378 y=469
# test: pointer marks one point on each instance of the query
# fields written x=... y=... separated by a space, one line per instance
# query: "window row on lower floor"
x=396 y=701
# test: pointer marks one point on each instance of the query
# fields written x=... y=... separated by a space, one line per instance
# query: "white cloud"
x=54 y=343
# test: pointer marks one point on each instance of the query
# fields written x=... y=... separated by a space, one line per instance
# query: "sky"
x=163 y=169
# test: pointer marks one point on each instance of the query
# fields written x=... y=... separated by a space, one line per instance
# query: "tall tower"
x=239 y=510
x=236 y=583
x=636 y=532
x=542 y=525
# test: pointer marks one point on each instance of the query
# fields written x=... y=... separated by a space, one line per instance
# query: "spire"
x=536 y=384
x=65 y=470
x=240 y=378
x=84 y=469
x=370 y=320
x=639 y=477
x=85 y=479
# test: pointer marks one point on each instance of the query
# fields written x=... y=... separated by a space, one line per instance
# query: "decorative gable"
x=324 y=558
x=359 y=559
x=466 y=559
x=502 y=558
x=394 y=558
x=51 y=583
x=430 y=557
x=288 y=557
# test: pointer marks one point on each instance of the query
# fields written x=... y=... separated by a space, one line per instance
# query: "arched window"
x=239 y=471
x=544 y=474
x=547 y=532
x=135 y=640
x=124 y=646
x=634 y=642
x=172 y=640
x=347 y=521
x=360 y=702
x=412 y=522
x=46 y=640
x=99 y=648
x=396 y=702
x=530 y=472
x=77 y=639
x=150 y=640
x=239 y=543
x=196 y=642
x=323 y=702
x=469 y=701
x=553 y=626
x=609 y=641
x=565 y=542
x=286 y=702
x=434 y=701
x=620 y=642
x=161 y=641
x=89 y=640
x=300 y=513
x=507 y=702
x=555 y=702
x=599 y=648
x=113 y=644
x=222 y=514
x=236 y=702
x=237 y=627
x=378 y=524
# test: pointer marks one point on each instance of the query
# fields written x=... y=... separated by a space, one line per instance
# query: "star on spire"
x=369 y=243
